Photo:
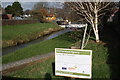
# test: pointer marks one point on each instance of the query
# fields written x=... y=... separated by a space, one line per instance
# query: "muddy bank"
x=29 y=37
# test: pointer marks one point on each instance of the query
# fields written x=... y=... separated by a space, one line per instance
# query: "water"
x=17 y=47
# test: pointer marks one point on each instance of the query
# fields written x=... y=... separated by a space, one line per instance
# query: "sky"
x=30 y=5
x=25 y=5
x=58 y=0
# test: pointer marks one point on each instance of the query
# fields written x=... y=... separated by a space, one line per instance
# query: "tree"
x=9 y=9
x=15 y=9
x=36 y=15
x=43 y=12
x=39 y=5
x=27 y=12
x=91 y=11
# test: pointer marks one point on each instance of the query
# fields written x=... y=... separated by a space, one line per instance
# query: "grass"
x=11 y=32
x=35 y=71
x=100 y=69
x=62 y=41
x=100 y=55
x=12 y=35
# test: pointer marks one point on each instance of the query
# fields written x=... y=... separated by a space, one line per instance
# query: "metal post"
x=83 y=41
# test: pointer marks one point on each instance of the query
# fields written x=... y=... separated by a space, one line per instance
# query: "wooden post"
x=83 y=41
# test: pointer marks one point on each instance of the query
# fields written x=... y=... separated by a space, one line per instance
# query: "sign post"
x=73 y=63
x=83 y=40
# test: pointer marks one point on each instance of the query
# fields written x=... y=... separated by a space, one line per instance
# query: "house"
x=0 y=13
x=50 y=17
x=7 y=16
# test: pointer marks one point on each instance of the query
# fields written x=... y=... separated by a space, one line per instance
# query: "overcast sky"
x=30 y=5
x=25 y=5
x=57 y=0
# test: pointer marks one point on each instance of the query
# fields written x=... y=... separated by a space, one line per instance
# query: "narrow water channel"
x=17 y=47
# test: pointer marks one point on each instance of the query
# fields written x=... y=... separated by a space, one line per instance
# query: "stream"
x=20 y=46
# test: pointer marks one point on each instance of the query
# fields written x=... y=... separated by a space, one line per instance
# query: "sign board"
x=74 y=63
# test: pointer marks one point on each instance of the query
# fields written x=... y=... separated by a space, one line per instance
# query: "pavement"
x=25 y=61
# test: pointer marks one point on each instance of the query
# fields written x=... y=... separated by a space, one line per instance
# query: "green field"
x=62 y=41
x=100 y=69
x=11 y=35
x=11 y=32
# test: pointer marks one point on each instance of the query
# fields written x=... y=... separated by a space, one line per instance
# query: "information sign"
x=74 y=63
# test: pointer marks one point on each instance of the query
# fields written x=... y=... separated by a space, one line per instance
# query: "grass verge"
x=13 y=35
x=100 y=69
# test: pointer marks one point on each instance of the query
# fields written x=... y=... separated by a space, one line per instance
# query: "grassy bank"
x=13 y=35
x=100 y=69
x=63 y=41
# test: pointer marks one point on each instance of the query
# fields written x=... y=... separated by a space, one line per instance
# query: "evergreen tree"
x=15 y=9
x=9 y=9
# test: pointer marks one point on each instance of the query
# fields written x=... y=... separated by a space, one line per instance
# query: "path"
x=25 y=61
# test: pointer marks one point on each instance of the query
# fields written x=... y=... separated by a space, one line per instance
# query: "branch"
x=101 y=14
x=104 y=6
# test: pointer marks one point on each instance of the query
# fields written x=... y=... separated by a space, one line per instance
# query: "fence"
x=16 y=22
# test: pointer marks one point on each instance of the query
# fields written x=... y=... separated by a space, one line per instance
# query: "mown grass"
x=63 y=41
x=17 y=34
x=100 y=69
x=11 y=32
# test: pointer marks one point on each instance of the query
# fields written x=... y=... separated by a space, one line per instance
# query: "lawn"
x=11 y=35
x=62 y=41
x=11 y=32
x=100 y=69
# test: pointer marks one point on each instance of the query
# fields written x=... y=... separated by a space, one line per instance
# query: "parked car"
x=18 y=18
x=61 y=22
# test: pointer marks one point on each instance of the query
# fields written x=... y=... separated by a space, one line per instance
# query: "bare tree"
x=39 y=5
x=91 y=11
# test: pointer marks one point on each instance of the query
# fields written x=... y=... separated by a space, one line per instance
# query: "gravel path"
x=25 y=61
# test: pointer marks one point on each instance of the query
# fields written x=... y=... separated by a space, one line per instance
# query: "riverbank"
x=62 y=41
x=41 y=39
x=18 y=34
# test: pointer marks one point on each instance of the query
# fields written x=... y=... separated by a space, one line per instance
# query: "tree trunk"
x=97 y=36
x=96 y=25
x=96 y=29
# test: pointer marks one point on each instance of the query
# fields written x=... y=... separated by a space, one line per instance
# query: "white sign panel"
x=74 y=63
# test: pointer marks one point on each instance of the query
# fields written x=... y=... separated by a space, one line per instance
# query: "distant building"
x=0 y=13
x=7 y=16
x=50 y=17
